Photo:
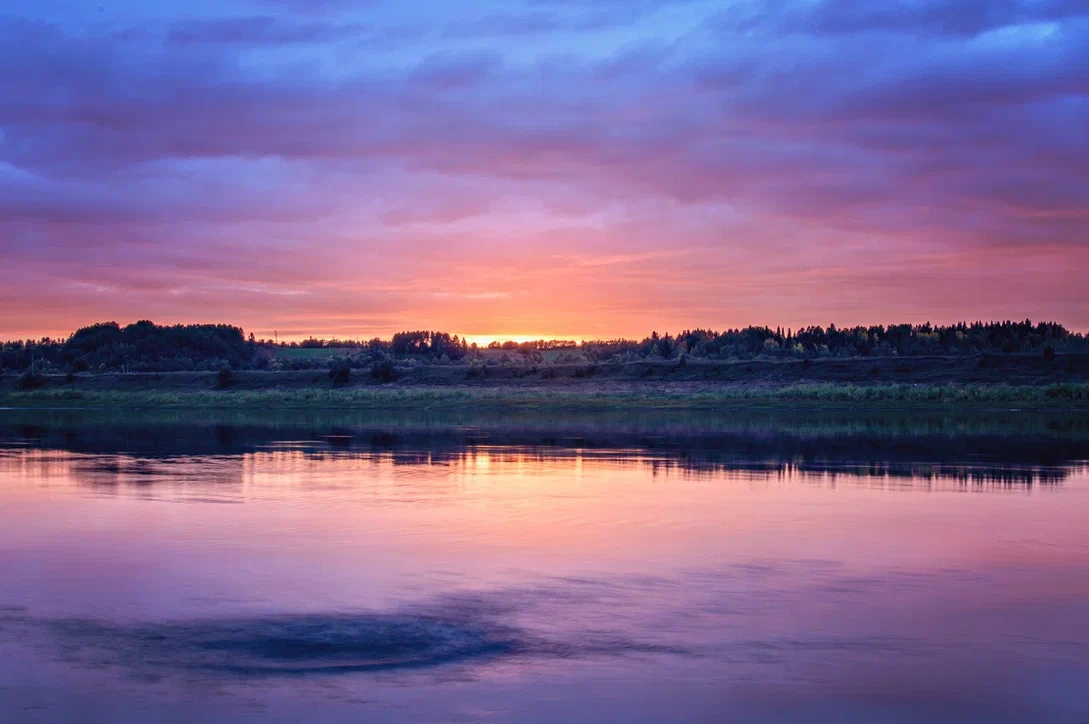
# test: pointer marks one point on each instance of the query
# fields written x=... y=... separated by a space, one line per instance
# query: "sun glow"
x=484 y=340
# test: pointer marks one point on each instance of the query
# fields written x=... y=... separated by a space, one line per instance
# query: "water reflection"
x=983 y=450
x=225 y=474
x=721 y=568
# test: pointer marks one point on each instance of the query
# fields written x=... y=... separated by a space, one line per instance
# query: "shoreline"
x=581 y=396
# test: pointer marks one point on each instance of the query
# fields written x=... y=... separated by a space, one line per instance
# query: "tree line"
x=147 y=347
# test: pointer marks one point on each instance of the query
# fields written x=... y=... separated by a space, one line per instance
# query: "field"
x=1061 y=383
x=396 y=397
x=312 y=352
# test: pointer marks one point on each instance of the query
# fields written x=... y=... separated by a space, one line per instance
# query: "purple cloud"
x=533 y=135
x=930 y=17
x=258 y=30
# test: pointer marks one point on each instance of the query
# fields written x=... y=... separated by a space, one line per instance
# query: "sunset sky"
x=570 y=168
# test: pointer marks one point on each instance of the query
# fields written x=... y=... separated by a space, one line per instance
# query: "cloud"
x=179 y=149
x=313 y=7
x=471 y=295
x=260 y=30
x=927 y=17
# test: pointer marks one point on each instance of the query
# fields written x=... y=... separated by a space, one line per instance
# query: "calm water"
x=756 y=567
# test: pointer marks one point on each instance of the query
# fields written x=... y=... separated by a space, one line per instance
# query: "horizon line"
x=484 y=339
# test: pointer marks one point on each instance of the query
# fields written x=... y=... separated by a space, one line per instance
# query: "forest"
x=148 y=347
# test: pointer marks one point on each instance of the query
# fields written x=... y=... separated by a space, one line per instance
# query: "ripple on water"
x=277 y=644
x=302 y=644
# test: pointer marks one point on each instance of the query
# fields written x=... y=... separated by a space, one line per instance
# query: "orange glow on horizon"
x=484 y=340
x=481 y=340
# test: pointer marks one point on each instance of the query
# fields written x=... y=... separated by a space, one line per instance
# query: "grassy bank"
x=585 y=396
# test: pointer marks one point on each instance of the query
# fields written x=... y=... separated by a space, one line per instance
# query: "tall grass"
x=1063 y=395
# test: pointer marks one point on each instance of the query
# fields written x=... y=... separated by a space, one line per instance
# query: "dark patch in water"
x=295 y=645
x=288 y=645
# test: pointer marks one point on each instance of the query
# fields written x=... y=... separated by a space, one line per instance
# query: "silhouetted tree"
x=145 y=346
x=223 y=377
x=340 y=372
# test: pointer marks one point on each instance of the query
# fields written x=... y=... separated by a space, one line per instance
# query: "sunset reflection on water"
x=534 y=581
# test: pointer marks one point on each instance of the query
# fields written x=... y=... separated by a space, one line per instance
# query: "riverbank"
x=572 y=397
x=1021 y=447
x=1023 y=381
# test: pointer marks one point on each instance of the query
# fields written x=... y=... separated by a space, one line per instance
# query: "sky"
x=533 y=168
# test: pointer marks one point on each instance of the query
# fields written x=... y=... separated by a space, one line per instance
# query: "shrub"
x=384 y=371
x=477 y=369
x=586 y=371
x=29 y=380
x=340 y=372
x=1049 y=352
x=223 y=377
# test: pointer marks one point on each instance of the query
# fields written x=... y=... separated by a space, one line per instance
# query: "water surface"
x=455 y=567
